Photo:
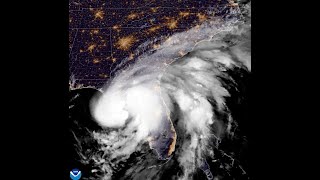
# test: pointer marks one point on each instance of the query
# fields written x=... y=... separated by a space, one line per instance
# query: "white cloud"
x=140 y=99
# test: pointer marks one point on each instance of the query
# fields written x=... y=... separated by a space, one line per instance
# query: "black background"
x=34 y=66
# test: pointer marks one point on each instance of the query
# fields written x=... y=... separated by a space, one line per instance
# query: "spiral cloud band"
x=169 y=98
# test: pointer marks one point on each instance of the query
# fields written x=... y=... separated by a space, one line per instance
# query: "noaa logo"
x=75 y=174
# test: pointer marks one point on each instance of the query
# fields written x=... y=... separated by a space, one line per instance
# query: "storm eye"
x=134 y=131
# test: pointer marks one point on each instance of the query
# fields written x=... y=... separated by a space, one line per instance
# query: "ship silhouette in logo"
x=75 y=174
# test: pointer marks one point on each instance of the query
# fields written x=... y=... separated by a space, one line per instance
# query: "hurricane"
x=168 y=109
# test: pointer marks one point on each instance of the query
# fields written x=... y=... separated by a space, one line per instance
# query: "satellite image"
x=159 y=89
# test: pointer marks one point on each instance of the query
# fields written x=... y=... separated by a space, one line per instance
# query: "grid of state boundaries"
x=103 y=33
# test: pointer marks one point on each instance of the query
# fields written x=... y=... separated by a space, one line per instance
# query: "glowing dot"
x=153 y=29
x=95 y=61
x=132 y=16
x=91 y=47
x=99 y=14
x=171 y=23
x=169 y=39
x=184 y=14
x=116 y=27
x=125 y=43
x=233 y=4
x=103 y=75
x=114 y=59
x=154 y=9
x=197 y=28
x=151 y=20
x=156 y=46
x=131 y=56
x=201 y=17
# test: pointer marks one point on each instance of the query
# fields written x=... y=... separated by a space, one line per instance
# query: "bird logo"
x=75 y=174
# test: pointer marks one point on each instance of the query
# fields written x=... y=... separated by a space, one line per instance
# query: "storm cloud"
x=173 y=94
